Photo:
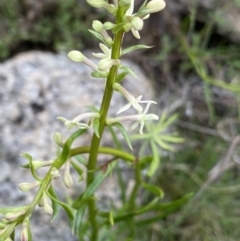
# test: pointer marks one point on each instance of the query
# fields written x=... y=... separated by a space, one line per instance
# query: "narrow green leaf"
x=162 y=125
x=78 y=169
x=155 y=161
x=97 y=35
x=129 y=70
x=67 y=210
x=121 y=76
x=136 y=47
x=78 y=220
x=55 y=205
x=163 y=144
x=142 y=6
x=169 y=138
x=153 y=189
x=111 y=219
x=124 y=133
x=100 y=176
x=81 y=159
x=96 y=126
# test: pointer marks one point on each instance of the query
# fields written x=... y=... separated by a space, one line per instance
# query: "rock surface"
x=35 y=88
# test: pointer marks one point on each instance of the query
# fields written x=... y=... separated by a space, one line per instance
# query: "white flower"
x=134 y=102
x=76 y=121
x=106 y=63
x=106 y=52
x=134 y=23
x=139 y=118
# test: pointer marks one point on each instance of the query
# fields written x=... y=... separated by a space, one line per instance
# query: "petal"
x=135 y=33
x=141 y=127
x=134 y=126
x=99 y=55
x=137 y=107
x=105 y=50
x=125 y=107
x=130 y=10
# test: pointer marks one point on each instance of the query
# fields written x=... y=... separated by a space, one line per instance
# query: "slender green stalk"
x=92 y=161
x=104 y=150
x=133 y=197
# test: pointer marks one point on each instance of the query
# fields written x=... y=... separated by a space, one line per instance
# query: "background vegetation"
x=196 y=66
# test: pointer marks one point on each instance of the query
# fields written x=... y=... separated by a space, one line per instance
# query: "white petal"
x=134 y=126
x=137 y=107
x=125 y=107
x=99 y=55
x=130 y=10
x=105 y=50
x=135 y=33
x=141 y=127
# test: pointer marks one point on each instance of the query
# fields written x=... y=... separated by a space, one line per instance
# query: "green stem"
x=132 y=199
x=107 y=96
x=104 y=150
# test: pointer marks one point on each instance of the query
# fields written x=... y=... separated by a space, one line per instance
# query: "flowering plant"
x=84 y=215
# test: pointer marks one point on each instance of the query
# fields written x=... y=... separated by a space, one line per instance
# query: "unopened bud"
x=76 y=56
x=102 y=4
x=97 y=26
x=24 y=232
x=12 y=216
x=41 y=202
x=108 y=25
x=26 y=186
x=54 y=173
x=155 y=6
x=58 y=139
x=67 y=178
x=46 y=206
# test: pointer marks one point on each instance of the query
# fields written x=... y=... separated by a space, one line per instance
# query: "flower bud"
x=76 y=56
x=137 y=23
x=41 y=202
x=24 y=232
x=57 y=137
x=67 y=178
x=96 y=3
x=12 y=216
x=46 y=206
x=26 y=186
x=54 y=173
x=108 y=25
x=97 y=26
x=155 y=6
x=102 y=4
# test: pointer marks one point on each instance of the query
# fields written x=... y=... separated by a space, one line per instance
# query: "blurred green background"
x=195 y=68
